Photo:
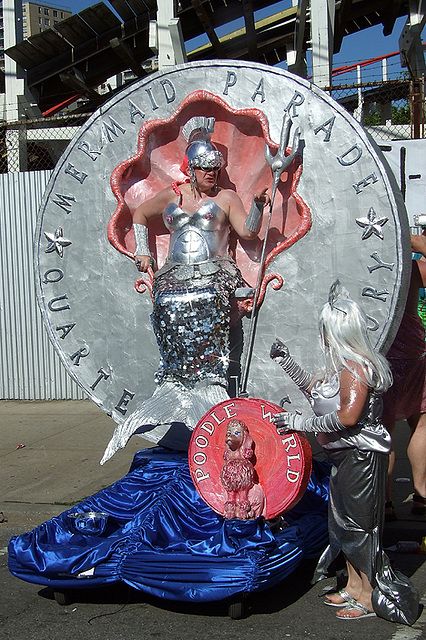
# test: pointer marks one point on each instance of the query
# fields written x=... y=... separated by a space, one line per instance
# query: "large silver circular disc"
x=358 y=232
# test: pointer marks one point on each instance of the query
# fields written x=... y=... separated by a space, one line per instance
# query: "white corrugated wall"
x=29 y=366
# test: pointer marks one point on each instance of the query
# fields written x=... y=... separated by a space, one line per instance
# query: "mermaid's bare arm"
x=238 y=216
x=152 y=208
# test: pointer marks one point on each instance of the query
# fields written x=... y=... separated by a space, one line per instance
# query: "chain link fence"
x=389 y=110
x=36 y=145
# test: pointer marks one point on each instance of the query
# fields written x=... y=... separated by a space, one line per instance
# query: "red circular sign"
x=282 y=464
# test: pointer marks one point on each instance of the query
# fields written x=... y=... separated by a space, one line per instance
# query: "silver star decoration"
x=371 y=224
x=57 y=242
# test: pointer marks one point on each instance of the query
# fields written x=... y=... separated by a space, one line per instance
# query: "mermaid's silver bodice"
x=198 y=237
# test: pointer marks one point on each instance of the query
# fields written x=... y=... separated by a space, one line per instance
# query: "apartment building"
x=37 y=17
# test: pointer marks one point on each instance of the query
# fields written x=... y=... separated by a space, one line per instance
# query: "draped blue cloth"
x=162 y=538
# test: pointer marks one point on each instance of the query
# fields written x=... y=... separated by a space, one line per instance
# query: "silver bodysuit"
x=368 y=434
x=357 y=502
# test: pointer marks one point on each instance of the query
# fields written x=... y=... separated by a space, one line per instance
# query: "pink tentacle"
x=145 y=282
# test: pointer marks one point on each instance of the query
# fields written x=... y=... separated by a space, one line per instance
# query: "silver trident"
x=278 y=163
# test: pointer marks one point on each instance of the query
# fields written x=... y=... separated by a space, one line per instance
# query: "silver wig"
x=343 y=326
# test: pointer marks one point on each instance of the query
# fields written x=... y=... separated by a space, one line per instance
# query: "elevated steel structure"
x=86 y=49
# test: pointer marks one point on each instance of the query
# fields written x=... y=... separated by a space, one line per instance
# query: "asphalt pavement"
x=50 y=454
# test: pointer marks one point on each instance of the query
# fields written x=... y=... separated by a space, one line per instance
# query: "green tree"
x=402 y=114
x=372 y=118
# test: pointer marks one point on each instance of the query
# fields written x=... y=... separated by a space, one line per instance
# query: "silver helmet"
x=201 y=153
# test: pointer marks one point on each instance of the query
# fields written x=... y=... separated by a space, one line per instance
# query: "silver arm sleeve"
x=280 y=353
x=141 y=238
x=254 y=218
x=315 y=424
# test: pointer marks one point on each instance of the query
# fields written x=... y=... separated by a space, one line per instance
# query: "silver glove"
x=287 y=421
x=280 y=353
x=141 y=239
x=254 y=218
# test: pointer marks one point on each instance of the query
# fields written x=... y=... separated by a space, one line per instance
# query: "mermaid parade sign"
x=335 y=214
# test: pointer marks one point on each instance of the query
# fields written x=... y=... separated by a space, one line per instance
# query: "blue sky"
x=357 y=47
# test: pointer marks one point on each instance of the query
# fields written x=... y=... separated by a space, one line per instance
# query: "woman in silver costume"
x=347 y=404
x=192 y=293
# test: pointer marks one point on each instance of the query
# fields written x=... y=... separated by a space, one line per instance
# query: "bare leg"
x=416 y=452
x=364 y=598
x=353 y=585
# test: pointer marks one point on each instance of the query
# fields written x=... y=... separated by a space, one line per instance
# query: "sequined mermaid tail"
x=191 y=321
x=168 y=417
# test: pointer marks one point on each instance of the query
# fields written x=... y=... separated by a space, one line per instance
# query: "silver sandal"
x=365 y=613
x=343 y=594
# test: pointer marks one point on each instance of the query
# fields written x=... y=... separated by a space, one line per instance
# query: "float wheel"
x=63 y=598
x=236 y=610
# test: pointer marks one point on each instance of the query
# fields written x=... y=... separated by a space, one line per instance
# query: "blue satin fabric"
x=163 y=539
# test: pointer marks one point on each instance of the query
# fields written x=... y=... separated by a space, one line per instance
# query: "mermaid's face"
x=234 y=436
x=206 y=179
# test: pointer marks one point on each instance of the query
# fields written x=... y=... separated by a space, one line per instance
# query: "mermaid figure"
x=193 y=293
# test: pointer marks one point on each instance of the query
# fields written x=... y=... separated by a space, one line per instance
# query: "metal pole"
x=416 y=108
x=278 y=164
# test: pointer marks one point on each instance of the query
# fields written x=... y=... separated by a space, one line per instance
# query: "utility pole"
x=18 y=103
x=322 y=36
x=412 y=57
